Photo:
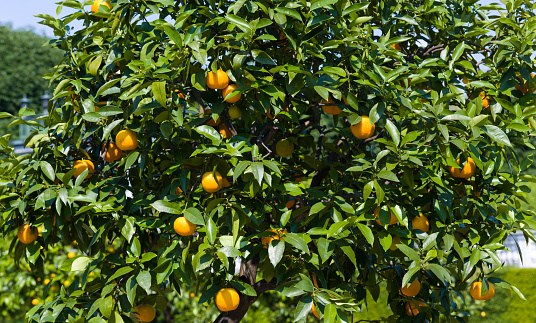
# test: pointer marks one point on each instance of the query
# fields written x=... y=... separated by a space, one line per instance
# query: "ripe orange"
x=227 y=299
x=396 y=46
x=179 y=94
x=467 y=171
x=284 y=148
x=35 y=301
x=46 y=281
x=27 y=234
x=279 y=233
x=485 y=103
x=71 y=255
x=413 y=289
x=420 y=223
x=330 y=109
x=412 y=307
x=225 y=183
x=228 y=89
x=225 y=132
x=218 y=80
x=145 y=313
x=192 y=295
x=127 y=140
x=364 y=129
x=211 y=121
x=394 y=220
x=95 y=6
x=476 y=291
x=113 y=153
x=290 y=203
x=234 y=112
x=184 y=227
x=396 y=240
x=210 y=183
x=82 y=165
x=315 y=313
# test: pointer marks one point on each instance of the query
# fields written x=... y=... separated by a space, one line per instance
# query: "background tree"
x=315 y=149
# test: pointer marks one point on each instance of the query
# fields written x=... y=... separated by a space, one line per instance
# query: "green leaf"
x=144 y=280
x=47 y=170
x=211 y=231
x=458 y=52
x=325 y=248
x=108 y=129
x=412 y=254
x=167 y=207
x=159 y=92
x=262 y=57
x=297 y=242
x=257 y=168
x=330 y=313
x=210 y=133
x=131 y=159
x=388 y=175
x=355 y=7
x=303 y=308
x=80 y=263
x=289 y=12
x=498 y=135
x=244 y=288
x=194 y=215
x=393 y=131
x=173 y=34
x=120 y=272
x=322 y=4
x=239 y=22
x=276 y=248
x=367 y=233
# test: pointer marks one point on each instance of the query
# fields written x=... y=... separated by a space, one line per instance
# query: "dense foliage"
x=446 y=84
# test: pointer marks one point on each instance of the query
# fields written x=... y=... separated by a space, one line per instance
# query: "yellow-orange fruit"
x=218 y=80
x=393 y=220
x=81 y=165
x=364 y=129
x=126 y=140
x=145 y=313
x=279 y=233
x=284 y=148
x=228 y=89
x=210 y=183
x=113 y=153
x=95 y=6
x=420 y=223
x=227 y=299
x=225 y=132
x=27 y=234
x=412 y=290
x=476 y=291
x=467 y=171
x=412 y=307
x=184 y=227
x=330 y=109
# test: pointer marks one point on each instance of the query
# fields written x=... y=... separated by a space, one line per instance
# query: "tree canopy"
x=315 y=149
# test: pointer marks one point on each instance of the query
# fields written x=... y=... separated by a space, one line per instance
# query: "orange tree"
x=317 y=149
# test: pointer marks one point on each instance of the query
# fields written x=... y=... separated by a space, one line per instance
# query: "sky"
x=20 y=14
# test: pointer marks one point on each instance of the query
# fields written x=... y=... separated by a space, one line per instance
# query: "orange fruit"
x=315 y=313
x=227 y=299
x=485 y=103
x=524 y=87
x=396 y=46
x=279 y=233
x=413 y=289
x=225 y=132
x=364 y=129
x=71 y=255
x=113 y=153
x=81 y=165
x=46 y=281
x=179 y=94
x=396 y=240
x=218 y=80
x=420 y=223
x=228 y=89
x=184 y=227
x=290 y=203
x=210 y=183
x=192 y=295
x=52 y=276
x=330 y=109
x=284 y=148
x=476 y=291
x=234 y=112
x=95 y=6
x=412 y=307
x=211 y=121
x=35 y=301
x=467 y=171
x=225 y=183
x=145 y=313
x=127 y=140
x=394 y=220
x=27 y=234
